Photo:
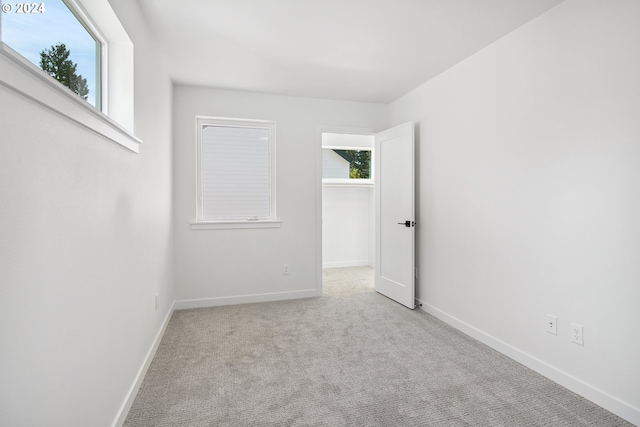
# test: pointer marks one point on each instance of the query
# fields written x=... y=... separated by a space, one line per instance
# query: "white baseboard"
x=595 y=395
x=133 y=391
x=341 y=264
x=244 y=299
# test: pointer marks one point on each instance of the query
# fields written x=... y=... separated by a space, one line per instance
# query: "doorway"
x=390 y=224
x=348 y=211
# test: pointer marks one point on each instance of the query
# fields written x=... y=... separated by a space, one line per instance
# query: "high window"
x=54 y=37
x=346 y=164
x=55 y=53
x=236 y=173
x=347 y=159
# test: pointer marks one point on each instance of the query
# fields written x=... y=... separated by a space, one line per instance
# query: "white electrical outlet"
x=285 y=269
x=575 y=333
x=552 y=324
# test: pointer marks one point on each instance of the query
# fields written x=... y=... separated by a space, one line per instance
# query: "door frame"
x=319 y=131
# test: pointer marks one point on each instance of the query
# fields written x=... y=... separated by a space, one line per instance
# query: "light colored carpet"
x=350 y=358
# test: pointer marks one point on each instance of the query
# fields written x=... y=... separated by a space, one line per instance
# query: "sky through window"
x=31 y=33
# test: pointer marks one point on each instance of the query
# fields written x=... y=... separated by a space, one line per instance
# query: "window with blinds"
x=236 y=170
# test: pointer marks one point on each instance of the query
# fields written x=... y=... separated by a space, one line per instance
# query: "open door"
x=394 y=172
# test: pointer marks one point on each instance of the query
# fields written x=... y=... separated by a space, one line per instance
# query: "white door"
x=395 y=227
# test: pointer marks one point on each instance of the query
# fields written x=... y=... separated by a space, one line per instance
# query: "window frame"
x=201 y=223
x=115 y=121
x=350 y=182
x=92 y=29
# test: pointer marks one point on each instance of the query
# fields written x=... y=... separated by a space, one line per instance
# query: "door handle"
x=407 y=223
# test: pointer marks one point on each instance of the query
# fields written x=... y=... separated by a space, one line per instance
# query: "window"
x=346 y=164
x=27 y=29
x=236 y=173
x=54 y=38
x=347 y=159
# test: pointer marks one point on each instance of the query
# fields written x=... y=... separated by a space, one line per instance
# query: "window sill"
x=27 y=80
x=331 y=182
x=221 y=225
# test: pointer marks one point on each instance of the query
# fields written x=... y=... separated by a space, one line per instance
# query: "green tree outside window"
x=55 y=62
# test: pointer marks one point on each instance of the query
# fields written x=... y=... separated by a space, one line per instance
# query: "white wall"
x=85 y=243
x=223 y=266
x=529 y=195
x=346 y=239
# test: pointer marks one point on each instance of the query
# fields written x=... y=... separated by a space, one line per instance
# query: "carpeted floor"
x=350 y=358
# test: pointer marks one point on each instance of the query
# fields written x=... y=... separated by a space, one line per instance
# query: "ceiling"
x=357 y=50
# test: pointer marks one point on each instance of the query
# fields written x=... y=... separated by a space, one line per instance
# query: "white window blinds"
x=236 y=171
